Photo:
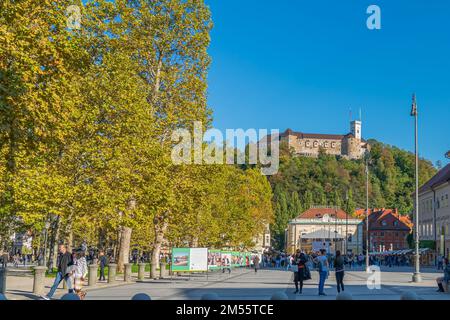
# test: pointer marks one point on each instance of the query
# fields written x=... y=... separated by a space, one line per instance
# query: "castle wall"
x=349 y=147
x=311 y=147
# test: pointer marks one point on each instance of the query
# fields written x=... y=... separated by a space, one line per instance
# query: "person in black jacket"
x=103 y=263
x=300 y=273
x=339 y=268
x=65 y=261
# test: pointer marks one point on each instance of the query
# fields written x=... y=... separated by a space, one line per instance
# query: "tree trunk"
x=53 y=256
x=69 y=239
x=160 y=230
x=124 y=248
x=125 y=240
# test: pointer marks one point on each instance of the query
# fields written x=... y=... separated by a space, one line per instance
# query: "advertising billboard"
x=189 y=259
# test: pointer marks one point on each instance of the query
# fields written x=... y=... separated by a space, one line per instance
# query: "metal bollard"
x=127 y=273
x=3 y=273
x=141 y=271
x=112 y=269
x=39 y=279
x=92 y=277
x=162 y=270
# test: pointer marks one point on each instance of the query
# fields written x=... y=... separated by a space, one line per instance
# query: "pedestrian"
x=339 y=271
x=64 y=261
x=322 y=263
x=79 y=273
x=278 y=262
x=226 y=263
x=103 y=263
x=300 y=271
x=256 y=263
x=443 y=282
x=440 y=263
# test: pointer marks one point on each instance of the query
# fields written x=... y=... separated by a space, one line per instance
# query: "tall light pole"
x=367 y=213
x=346 y=224
x=416 y=276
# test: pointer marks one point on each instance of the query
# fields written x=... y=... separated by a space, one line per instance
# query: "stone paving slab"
x=245 y=284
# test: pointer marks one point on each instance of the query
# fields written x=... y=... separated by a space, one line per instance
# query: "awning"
x=323 y=234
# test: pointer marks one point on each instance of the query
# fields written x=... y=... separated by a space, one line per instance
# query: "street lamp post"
x=346 y=224
x=367 y=213
x=416 y=276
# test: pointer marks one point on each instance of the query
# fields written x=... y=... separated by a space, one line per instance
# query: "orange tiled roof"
x=383 y=219
x=318 y=213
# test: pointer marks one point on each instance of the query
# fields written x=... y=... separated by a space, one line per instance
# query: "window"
x=384 y=223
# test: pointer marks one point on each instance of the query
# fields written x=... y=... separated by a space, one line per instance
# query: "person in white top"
x=79 y=274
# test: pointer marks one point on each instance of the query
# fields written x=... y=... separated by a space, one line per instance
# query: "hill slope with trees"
x=334 y=181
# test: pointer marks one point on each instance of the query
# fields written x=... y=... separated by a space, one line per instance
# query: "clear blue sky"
x=303 y=64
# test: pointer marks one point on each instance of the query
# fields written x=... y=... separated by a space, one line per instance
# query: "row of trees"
x=86 y=118
x=335 y=181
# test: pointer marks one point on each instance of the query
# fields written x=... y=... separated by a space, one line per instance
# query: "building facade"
x=434 y=211
x=324 y=228
x=388 y=230
x=350 y=145
x=263 y=241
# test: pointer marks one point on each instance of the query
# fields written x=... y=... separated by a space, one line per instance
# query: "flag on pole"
x=414 y=106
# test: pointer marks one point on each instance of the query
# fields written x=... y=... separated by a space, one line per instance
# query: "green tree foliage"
x=86 y=118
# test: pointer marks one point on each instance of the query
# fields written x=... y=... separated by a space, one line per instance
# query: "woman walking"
x=256 y=263
x=339 y=263
x=79 y=274
x=300 y=271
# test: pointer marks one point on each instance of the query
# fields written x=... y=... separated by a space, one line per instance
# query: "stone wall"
x=311 y=147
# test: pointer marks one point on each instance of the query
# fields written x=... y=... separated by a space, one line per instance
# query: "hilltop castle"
x=350 y=146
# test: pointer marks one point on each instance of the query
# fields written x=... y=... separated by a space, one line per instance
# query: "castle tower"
x=356 y=129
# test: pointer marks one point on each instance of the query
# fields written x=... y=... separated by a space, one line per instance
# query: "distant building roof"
x=441 y=177
x=318 y=213
x=388 y=219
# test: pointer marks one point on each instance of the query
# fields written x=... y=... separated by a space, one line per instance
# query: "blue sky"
x=303 y=64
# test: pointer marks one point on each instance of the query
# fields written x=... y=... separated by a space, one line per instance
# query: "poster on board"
x=189 y=259
x=198 y=259
x=214 y=261
x=226 y=259
x=180 y=259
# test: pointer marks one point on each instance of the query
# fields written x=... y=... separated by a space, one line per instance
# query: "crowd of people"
x=281 y=260
x=301 y=263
